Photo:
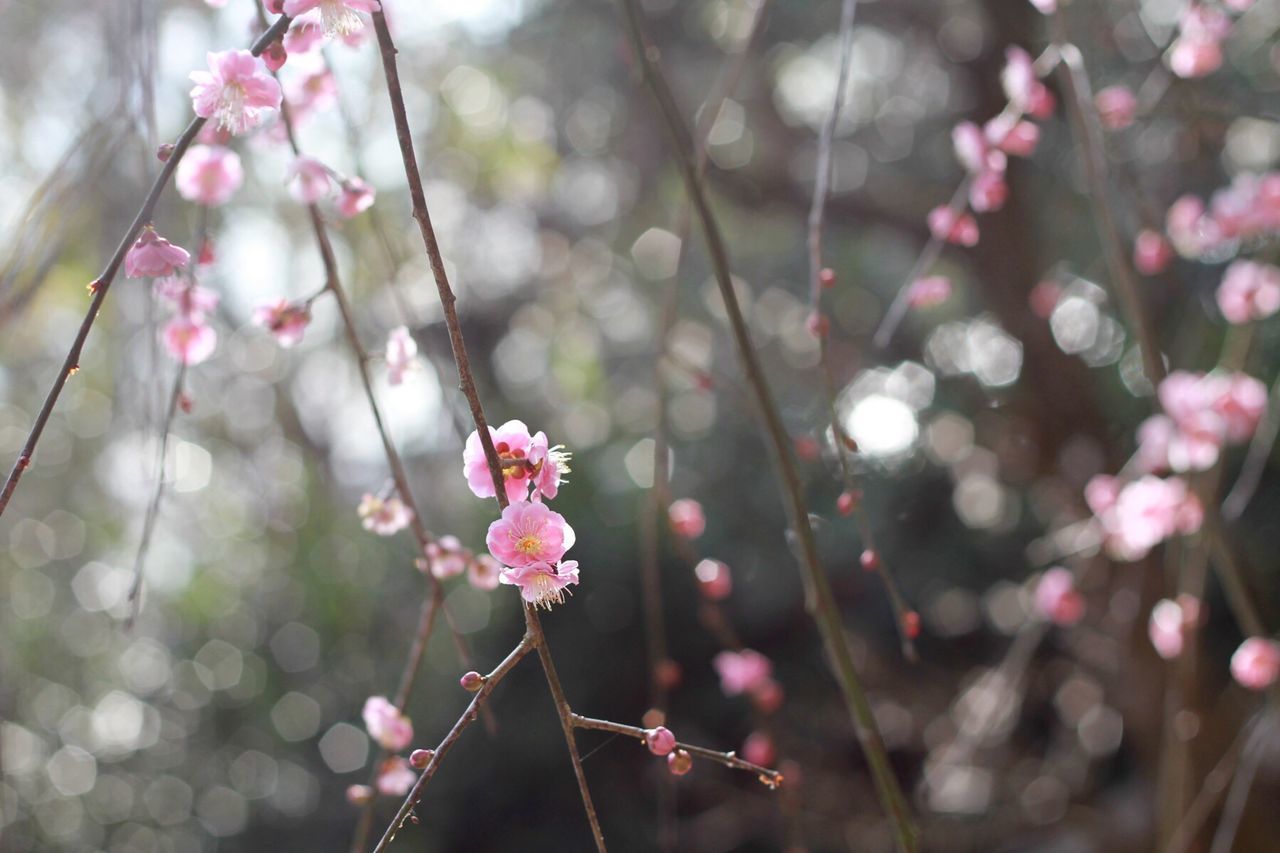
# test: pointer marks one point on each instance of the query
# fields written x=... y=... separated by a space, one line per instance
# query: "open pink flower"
x=1256 y=664
x=355 y=198
x=386 y=724
x=529 y=533
x=209 y=175
x=384 y=516
x=946 y=224
x=929 y=291
x=1249 y=291
x=1116 y=107
x=742 y=672
x=1146 y=512
x=237 y=91
x=542 y=583
x=1057 y=599
x=484 y=572
x=687 y=519
x=188 y=299
x=309 y=180
x=305 y=35
x=401 y=354
x=526 y=460
x=339 y=16
x=447 y=557
x=285 y=320
x=152 y=256
x=395 y=777
x=189 y=340
x=1024 y=90
x=547 y=466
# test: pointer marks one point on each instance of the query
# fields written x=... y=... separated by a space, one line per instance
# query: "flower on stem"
x=305 y=35
x=189 y=340
x=275 y=55
x=1141 y=514
x=974 y=150
x=471 y=681
x=1116 y=107
x=660 y=740
x=1256 y=664
x=285 y=320
x=929 y=291
x=236 y=92
x=743 y=671
x=188 y=299
x=384 y=516
x=1025 y=91
x=512 y=442
x=339 y=16
x=1249 y=291
x=401 y=354
x=1197 y=51
x=387 y=724
x=309 y=180
x=209 y=175
x=715 y=581
x=1170 y=621
x=395 y=777
x=543 y=583
x=1204 y=412
x=1057 y=599
x=958 y=228
x=484 y=572
x=686 y=518
x=1012 y=135
x=152 y=256
x=529 y=534
x=420 y=758
x=988 y=191
x=355 y=198
x=679 y=762
x=1151 y=252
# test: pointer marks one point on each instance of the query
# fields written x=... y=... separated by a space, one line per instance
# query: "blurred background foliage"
x=228 y=717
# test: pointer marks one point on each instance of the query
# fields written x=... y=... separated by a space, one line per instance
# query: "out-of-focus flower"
x=686 y=518
x=715 y=581
x=929 y=291
x=387 y=724
x=1198 y=49
x=401 y=354
x=447 y=557
x=1057 y=599
x=309 y=180
x=483 y=572
x=988 y=192
x=189 y=340
x=285 y=320
x=975 y=151
x=236 y=92
x=1151 y=252
x=395 y=777
x=356 y=197
x=1144 y=513
x=152 y=256
x=1169 y=623
x=1024 y=90
x=384 y=516
x=339 y=16
x=1012 y=135
x=1256 y=664
x=958 y=228
x=1116 y=107
x=743 y=671
x=1249 y=291
x=209 y=175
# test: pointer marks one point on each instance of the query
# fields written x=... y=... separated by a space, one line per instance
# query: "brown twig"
x=821 y=600
x=102 y=284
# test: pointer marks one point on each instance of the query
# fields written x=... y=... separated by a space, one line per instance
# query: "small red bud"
x=164 y=152
x=420 y=758
x=275 y=7
x=679 y=762
x=472 y=681
x=660 y=740
x=206 y=253
x=186 y=403
x=870 y=560
x=807 y=448
x=94 y=286
x=359 y=795
x=818 y=325
x=24 y=462
x=275 y=55
x=911 y=624
x=827 y=278
x=848 y=502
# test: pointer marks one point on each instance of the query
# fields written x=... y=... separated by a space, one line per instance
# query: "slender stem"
x=1255 y=461
x=103 y=282
x=1238 y=797
x=468 y=717
x=1211 y=790
x=770 y=777
x=820 y=597
x=466 y=382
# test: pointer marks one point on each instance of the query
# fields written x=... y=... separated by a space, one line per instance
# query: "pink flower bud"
x=848 y=502
x=714 y=580
x=164 y=152
x=687 y=519
x=275 y=55
x=911 y=624
x=359 y=795
x=420 y=758
x=758 y=749
x=1256 y=664
x=807 y=448
x=827 y=278
x=660 y=740
x=870 y=560
x=1116 y=106
x=768 y=696
x=1151 y=252
x=679 y=762
x=472 y=681
x=1057 y=599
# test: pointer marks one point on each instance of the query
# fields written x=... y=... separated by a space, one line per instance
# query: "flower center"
x=338 y=19
x=231 y=115
x=529 y=544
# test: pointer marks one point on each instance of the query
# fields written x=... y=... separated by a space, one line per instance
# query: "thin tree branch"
x=820 y=597
x=1255 y=461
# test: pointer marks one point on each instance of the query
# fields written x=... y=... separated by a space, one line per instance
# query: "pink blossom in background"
x=1189 y=229
x=1154 y=436
x=742 y=672
x=542 y=584
x=312 y=87
x=152 y=256
x=1057 y=599
x=929 y=291
x=974 y=151
x=305 y=35
x=1101 y=493
x=189 y=340
x=309 y=180
x=395 y=777
x=237 y=91
x=1116 y=107
x=447 y=557
x=715 y=581
x=483 y=572
x=1208 y=411
x=946 y=224
x=529 y=533
x=768 y=696
x=355 y=197
x=988 y=192
x=1146 y=512
x=384 y=516
x=1249 y=291
x=209 y=175
x=686 y=518
x=386 y=724
x=1151 y=252
x=285 y=320
x=1025 y=91
x=275 y=55
x=189 y=300
x=401 y=354
x=1169 y=623
x=1240 y=400
x=1013 y=136
x=339 y=16
x=513 y=444
x=1248 y=208
x=1044 y=297
x=1198 y=50
x=758 y=749
x=1045 y=7
x=1256 y=664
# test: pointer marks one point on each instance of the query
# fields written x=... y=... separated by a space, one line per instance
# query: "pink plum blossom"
x=1116 y=107
x=447 y=557
x=309 y=180
x=758 y=748
x=1057 y=599
x=285 y=320
x=339 y=16
x=929 y=291
x=401 y=354
x=742 y=671
x=384 y=516
x=305 y=35
x=541 y=583
x=312 y=88
x=958 y=228
x=236 y=92
x=209 y=175
x=1256 y=664
x=387 y=724
x=660 y=740
x=355 y=198
x=988 y=192
x=1207 y=411
x=189 y=340
x=483 y=572
x=514 y=445
x=686 y=518
x=1147 y=511
x=1189 y=229
x=715 y=581
x=529 y=533
x=395 y=777
x=1025 y=91
x=1249 y=291
x=974 y=150
x=188 y=299
x=1170 y=620
x=1198 y=49
x=152 y=256
x=1012 y=135
x=1151 y=252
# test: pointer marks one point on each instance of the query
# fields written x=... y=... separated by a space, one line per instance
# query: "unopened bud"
x=472 y=681
x=818 y=325
x=359 y=795
x=911 y=624
x=660 y=740
x=275 y=7
x=827 y=278
x=420 y=758
x=870 y=560
x=679 y=762
x=669 y=674
x=164 y=152
x=848 y=502
x=275 y=56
